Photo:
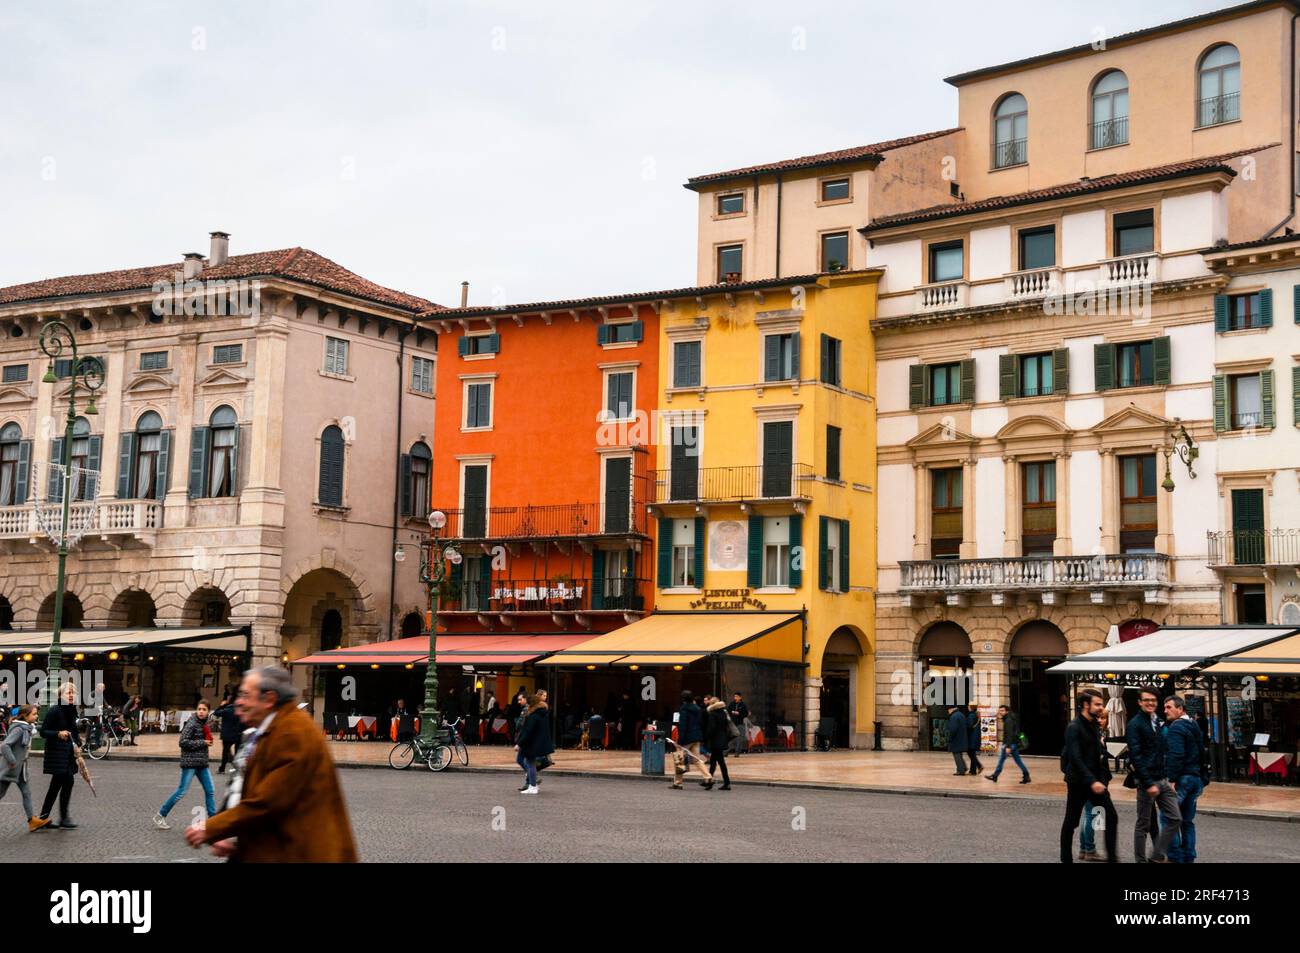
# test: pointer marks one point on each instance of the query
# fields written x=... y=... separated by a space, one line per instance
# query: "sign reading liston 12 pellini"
x=727 y=600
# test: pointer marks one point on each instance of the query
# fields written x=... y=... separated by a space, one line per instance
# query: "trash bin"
x=652 y=751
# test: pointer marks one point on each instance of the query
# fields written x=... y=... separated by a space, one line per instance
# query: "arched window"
x=151 y=449
x=421 y=465
x=330 y=492
x=84 y=459
x=222 y=463
x=1011 y=132
x=1109 y=111
x=1218 y=86
x=14 y=461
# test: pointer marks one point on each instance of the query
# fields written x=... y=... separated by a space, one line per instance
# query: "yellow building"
x=766 y=500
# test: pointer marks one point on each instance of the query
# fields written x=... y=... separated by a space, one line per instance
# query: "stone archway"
x=847 y=694
x=133 y=609
x=412 y=625
x=73 y=614
x=324 y=609
x=6 y=615
x=206 y=606
x=1038 y=696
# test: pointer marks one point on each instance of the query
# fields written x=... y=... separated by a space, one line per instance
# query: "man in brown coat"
x=290 y=808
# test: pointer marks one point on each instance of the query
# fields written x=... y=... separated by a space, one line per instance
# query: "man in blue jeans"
x=1010 y=744
x=1183 y=764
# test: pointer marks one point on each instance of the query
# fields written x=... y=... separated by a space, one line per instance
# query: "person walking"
x=739 y=713
x=690 y=732
x=61 y=755
x=1185 y=771
x=1010 y=744
x=717 y=735
x=1083 y=762
x=14 y=750
x=534 y=742
x=131 y=717
x=231 y=730
x=973 y=738
x=957 y=730
x=1146 y=754
x=1088 y=817
x=194 y=763
x=289 y=807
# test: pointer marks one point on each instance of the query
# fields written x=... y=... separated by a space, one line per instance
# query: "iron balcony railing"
x=1009 y=153
x=732 y=484
x=1218 y=109
x=1256 y=547
x=563 y=520
x=1109 y=132
x=1035 y=573
x=619 y=594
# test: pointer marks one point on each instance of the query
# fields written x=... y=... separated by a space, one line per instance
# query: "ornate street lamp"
x=434 y=555
x=85 y=373
x=1187 y=451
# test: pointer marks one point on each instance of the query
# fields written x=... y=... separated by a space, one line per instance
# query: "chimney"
x=193 y=265
x=464 y=294
x=219 y=249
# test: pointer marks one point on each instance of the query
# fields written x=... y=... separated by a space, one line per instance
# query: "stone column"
x=1011 y=481
x=110 y=409
x=1064 y=545
x=921 y=525
x=969 y=544
x=262 y=499
x=176 y=504
x=1164 y=515
x=1109 y=501
x=266 y=642
x=812 y=695
x=992 y=674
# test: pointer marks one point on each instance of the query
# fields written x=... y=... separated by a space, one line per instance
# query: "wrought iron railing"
x=1009 y=153
x=1257 y=547
x=1218 y=109
x=732 y=484
x=1109 y=132
x=619 y=594
x=547 y=521
x=1032 y=572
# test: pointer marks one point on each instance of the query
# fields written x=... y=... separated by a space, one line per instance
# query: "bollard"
x=652 y=751
x=879 y=731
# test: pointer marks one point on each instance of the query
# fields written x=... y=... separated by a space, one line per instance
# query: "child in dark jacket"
x=195 y=741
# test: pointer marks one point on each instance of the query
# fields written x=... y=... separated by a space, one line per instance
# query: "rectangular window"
x=945 y=513
x=832 y=360
x=835 y=251
x=1244 y=312
x=474 y=522
x=1036 y=375
x=686 y=364
x=627 y=332
x=1037 y=248
x=684 y=554
x=1038 y=508
x=834 y=582
x=422 y=375
x=781 y=357
x=479 y=344
x=228 y=354
x=1138 y=504
x=732 y=204
x=63 y=368
x=618 y=395
x=947 y=262
x=684 y=462
x=1248 y=535
x=336 y=356
x=778 y=458
x=832 y=453
x=618 y=494
x=15 y=373
x=835 y=190
x=1246 y=402
x=730 y=258
x=1136 y=364
x=1135 y=232
x=945 y=384
x=776 y=551
x=153 y=361
x=478 y=406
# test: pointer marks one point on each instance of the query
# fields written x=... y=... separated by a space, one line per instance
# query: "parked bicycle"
x=436 y=756
x=99 y=733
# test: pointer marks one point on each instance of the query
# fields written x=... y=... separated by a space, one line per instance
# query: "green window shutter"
x=602 y=334
x=462 y=345
x=1266 y=308
x=823 y=564
x=638 y=330
x=54 y=485
x=1008 y=372
x=699 y=552
x=665 y=554
x=1220 y=403
x=968 y=381
x=794 y=356
x=1221 y=305
x=1295 y=305
x=94 y=455
x=25 y=465
x=1160 y=353
x=796 y=550
x=598 y=579
x=1103 y=366
x=844 y=556
x=772 y=357
x=1268 y=404
x=125 y=459
x=405 y=464
x=755 y=552
x=164 y=481
x=494 y=343
x=454 y=578
x=916 y=386
x=825 y=359
x=1061 y=370
x=198 y=488
x=1295 y=394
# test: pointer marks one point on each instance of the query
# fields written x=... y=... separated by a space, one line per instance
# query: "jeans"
x=1077 y=795
x=187 y=776
x=24 y=790
x=1170 y=820
x=959 y=761
x=1015 y=755
x=1088 y=831
x=1183 y=848
x=530 y=769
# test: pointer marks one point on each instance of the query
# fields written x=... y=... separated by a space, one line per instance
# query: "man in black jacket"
x=957 y=732
x=1010 y=745
x=690 y=732
x=1086 y=775
x=739 y=712
x=1146 y=752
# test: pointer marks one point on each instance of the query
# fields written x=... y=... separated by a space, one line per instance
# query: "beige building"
x=258 y=415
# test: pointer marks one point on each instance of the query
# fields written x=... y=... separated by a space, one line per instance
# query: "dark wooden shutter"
x=665 y=554
x=125 y=466
x=94 y=457
x=839 y=363
x=602 y=334
x=1266 y=308
x=198 y=487
x=1267 y=401
x=455 y=584
x=494 y=343
x=694 y=353
x=1220 y=402
x=916 y=381
x=241 y=455
x=54 y=484
x=1160 y=355
x=778 y=457
x=1295 y=394
x=475 y=521
x=618 y=494
x=462 y=346
x=1221 y=313
x=967 y=381
x=681 y=364
x=684 y=475
x=598 y=579
x=1103 y=366
x=1248 y=527
x=638 y=331
x=404 y=490
x=330 y=492
x=1008 y=376
x=23 y=481
x=755 y=567
x=699 y=552
x=796 y=551
x=794 y=356
x=832 y=453
x=772 y=357
x=1295 y=304
x=1061 y=370
x=844 y=555
x=163 y=482
x=826 y=359
x=823 y=562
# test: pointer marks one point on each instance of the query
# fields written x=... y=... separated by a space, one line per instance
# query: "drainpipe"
x=1291 y=158
x=778 y=226
x=397 y=486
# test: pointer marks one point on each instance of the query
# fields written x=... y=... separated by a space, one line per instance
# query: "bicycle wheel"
x=402 y=755
x=462 y=752
x=439 y=757
x=98 y=748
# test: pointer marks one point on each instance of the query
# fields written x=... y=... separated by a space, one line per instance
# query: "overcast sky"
x=537 y=150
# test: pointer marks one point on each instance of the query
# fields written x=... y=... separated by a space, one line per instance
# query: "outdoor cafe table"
x=365 y=725
x=1270 y=762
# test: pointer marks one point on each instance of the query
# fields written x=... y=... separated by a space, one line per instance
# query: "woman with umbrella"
x=62 y=754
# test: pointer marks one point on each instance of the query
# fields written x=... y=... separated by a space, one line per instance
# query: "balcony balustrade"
x=732 y=484
x=1042 y=574
x=1262 y=547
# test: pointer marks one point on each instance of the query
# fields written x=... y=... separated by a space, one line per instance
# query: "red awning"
x=477 y=650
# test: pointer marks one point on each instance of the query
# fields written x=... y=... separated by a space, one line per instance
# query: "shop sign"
x=727 y=600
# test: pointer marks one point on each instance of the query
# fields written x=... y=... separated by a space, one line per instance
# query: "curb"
x=557 y=771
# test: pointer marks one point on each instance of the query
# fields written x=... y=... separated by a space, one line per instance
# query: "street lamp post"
x=434 y=555
x=87 y=373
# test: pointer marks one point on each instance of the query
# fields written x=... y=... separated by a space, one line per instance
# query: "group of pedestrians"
x=711 y=728
x=964 y=737
x=62 y=760
x=533 y=744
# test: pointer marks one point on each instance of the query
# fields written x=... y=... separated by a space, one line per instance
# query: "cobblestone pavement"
x=459 y=815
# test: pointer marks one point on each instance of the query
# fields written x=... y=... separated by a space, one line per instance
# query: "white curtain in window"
x=146 y=465
x=8 y=473
x=223 y=445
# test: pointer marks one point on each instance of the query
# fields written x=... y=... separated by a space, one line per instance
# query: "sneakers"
x=160 y=822
x=532 y=789
x=36 y=823
x=1025 y=779
x=67 y=824
x=991 y=777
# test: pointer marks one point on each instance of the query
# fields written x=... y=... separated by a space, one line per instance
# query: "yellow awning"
x=1276 y=658
x=679 y=638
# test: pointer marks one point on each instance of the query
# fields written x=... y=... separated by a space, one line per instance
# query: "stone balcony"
x=1130 y=270
x=117 y=523
x=942 y=296
x=1046 y=578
